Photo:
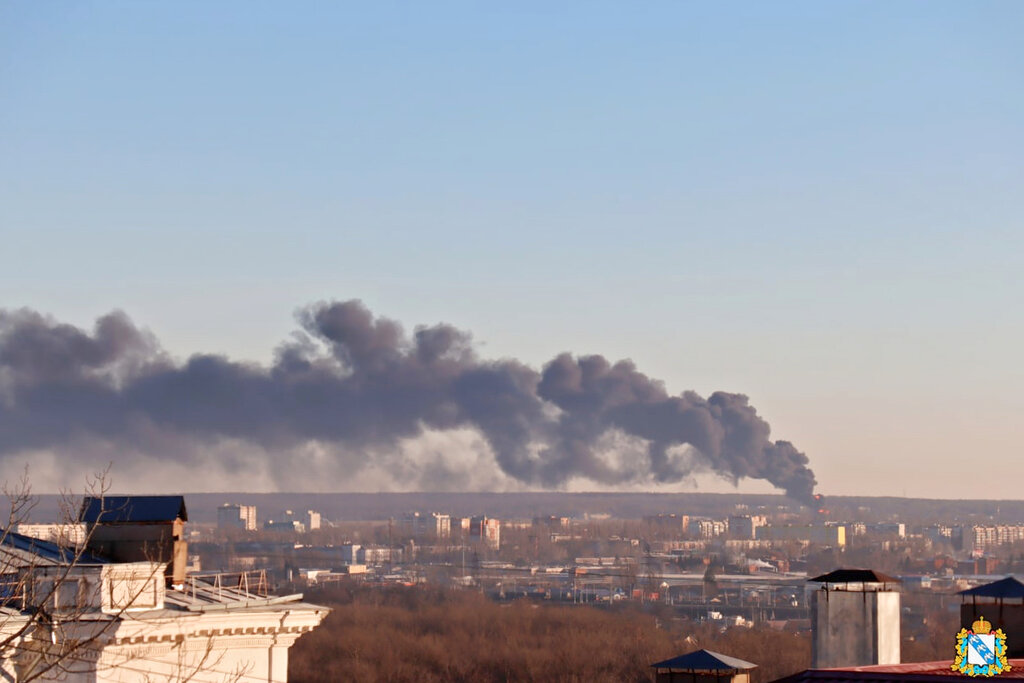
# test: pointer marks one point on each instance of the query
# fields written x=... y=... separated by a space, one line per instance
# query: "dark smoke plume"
x=360 y=384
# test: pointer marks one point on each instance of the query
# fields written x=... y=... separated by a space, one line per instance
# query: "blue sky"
x=816 y=204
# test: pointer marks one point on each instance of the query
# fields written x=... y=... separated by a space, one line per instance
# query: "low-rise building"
x=831 y=535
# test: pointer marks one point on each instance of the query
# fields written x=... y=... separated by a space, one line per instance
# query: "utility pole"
x=391 y=547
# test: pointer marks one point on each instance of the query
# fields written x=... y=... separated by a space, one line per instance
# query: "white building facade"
x=76 y=615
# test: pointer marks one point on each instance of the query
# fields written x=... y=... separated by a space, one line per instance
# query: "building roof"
x=117 y=509
x=705 y=660
x=854 y=576
x=33 y=551
x=1003 y=588
x=201 y=592
x=915 y=672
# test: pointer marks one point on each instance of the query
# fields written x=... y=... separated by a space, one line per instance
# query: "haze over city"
x=815 y=206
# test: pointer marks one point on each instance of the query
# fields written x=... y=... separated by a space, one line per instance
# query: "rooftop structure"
x=856 y=579
x=855 y=619
x=132 y=509
x=138 y=528
x=1001 y=603
x=80 y=614
x=1003 y=589
x=703 y=666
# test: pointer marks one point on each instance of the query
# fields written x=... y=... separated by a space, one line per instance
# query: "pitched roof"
x=705 y=660
x=854 y=576
x=34 y=551
x=115 y=509
x=1003 y=588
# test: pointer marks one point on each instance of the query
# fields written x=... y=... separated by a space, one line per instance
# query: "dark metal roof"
x=1003 y=588
x=46 y=551
x=854 y=576
x=705 y=660
x=118 y=509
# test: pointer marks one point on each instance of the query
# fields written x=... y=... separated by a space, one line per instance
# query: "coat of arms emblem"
x=980 y=651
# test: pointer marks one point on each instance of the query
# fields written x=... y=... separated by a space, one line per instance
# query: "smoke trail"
x=359 y=384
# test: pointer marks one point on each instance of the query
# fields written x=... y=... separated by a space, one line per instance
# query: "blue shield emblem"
x=981 y=651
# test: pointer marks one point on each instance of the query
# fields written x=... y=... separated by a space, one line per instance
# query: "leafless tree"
x=59 y=604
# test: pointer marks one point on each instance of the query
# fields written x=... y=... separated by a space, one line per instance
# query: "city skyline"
x=816 y=206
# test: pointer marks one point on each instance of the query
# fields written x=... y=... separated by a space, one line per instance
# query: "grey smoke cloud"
x=360 y=382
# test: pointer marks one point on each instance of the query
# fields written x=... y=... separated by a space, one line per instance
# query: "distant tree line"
x=431 y=634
